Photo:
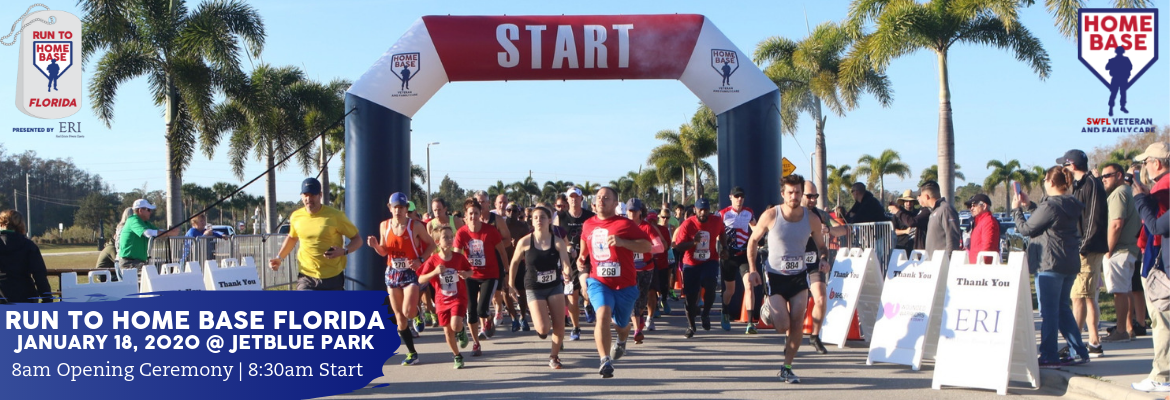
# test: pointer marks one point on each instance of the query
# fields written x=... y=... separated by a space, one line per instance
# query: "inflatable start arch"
x=441 y=49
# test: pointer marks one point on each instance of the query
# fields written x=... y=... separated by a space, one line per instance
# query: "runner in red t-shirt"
x=644 y=264
x=697 y=237
x=446 y=271
x=611 y=241
x=661 y=283
x=480 y=243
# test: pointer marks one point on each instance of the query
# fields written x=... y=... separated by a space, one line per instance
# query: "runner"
x=571 y=221
x=502 y=227
x=519 y=298
x=612 y=242
x=399 y=244
x=481 y=244
x=662 y=277
x=697 y=237
x=787 y=266
x=545 y=270
x=644 y=264
x=447 y=271
x=816 y=279
x=442 y=217
x=738 y=222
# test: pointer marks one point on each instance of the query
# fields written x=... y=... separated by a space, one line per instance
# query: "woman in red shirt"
x=480 y=243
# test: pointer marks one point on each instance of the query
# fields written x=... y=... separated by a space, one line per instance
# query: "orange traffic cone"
x=678 y=279
x=745 y=315
x=808 y=319
x=855 y=329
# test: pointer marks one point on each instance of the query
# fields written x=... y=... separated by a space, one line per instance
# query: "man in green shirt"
x=132 y=245
x=321 y=230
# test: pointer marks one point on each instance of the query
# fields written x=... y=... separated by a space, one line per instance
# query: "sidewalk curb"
x=1086 y=386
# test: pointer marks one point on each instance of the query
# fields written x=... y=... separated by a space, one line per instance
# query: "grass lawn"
x=69 y=261
x=66 y=248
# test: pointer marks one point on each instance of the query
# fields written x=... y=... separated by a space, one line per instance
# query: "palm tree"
x=646 y=180
x=187 y=55
x=839 y=180
x=931 y=174
x=876 y=168
x=1065 y=12
x=625 y=187
x=269 y=121
x=525 y=190
x=1003 y=173
x=807 y=74
x=418 y=178
x=496 y=190
x=333 y=140
x=687 y=147
x=905 y=26
x=1032 y=176
x=589 y=189
x=1122 y=157
x=220 y=190
x=551 y=189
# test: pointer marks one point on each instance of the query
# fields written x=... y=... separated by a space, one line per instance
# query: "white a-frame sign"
x=907 y=325
x=855 y=286
x=988 y=336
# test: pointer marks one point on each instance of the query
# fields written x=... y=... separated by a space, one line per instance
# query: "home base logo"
x=725 y=62
x=48 y=86
x=405 y=66
x=1118 y=45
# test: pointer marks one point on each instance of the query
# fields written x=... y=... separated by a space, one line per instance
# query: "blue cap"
x=702 y=204
x=310 y=186
x=399 y=199
x=635 y=204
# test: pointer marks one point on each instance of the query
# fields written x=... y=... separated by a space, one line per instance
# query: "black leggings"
x=696 y=278
x=479 y=297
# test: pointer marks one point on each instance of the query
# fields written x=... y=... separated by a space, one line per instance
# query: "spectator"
x=134 y=239
x=23 y=278
x=199 y=228
x=1091 y=193
x=109 y=254
x=866 y=208
x=1151 y=204
x=903 y=211
x=1122 y=232
x=984 y=227
x=1054 y=222
x=942 y=232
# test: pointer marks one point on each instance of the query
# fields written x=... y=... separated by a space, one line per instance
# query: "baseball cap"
x=310 y=186
x=573 y=191
x=620 y=209
x=1158 y=150
x=702 y=204
x=652 y=218
x=410 y=205
x=635 y=204
x=737 y=191
x=398 y=199
x=142 y=203
x=1076 y=158
x=978 y=198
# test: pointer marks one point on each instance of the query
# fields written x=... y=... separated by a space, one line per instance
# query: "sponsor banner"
x=910 y=303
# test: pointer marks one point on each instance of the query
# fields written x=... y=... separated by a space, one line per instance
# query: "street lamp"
x=429 y=172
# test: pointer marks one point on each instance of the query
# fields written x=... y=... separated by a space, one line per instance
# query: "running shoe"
x=524 y=325
x=554 y=362
x=706 y=320
x=418 y=323
x=666 y=307
x=1095 y=351
x=411 y=359
x=638 y=337
x=657 y=313
x=618 y=350
x=788 y=376
x=590 y=315
x=650 y=325
x=413 y=331
x=433 y=320
x=491 y=329
x=673 y=295
x=1064 y=362
x=1117 y=337
x=476 y=351
x=606 y=369
x=459 y=362
x=1147 y=385
x=726 y=323
x=576 y=334
x=482 y=335
x=815 y=341
x=1064 y=352
x=461 y=336
x=751 y=329
x=689 y=333
x=515 y=326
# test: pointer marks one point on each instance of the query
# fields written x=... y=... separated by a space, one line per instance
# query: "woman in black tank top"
x=546 y=259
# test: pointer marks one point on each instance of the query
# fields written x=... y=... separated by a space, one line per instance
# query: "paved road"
x=712 y=365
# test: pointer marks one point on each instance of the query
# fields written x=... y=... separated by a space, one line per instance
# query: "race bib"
x=703 y=248
x=599 y=248
x=810 y=257
x=546 y=276
x=792 y=263
x=637 y=256
x=398 y=263
x=447 y=283
x=475 y=254
x=608 y=270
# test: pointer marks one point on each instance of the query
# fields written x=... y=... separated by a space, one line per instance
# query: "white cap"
x=620 y=209
x=573 y=190
x=142 y=203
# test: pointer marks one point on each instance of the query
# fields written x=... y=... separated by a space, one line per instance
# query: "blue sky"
x=599 y=130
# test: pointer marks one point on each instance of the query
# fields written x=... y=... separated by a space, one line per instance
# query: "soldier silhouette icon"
x=405 y=78
x=55 y=72
x=726 y=74
x=1119 y=68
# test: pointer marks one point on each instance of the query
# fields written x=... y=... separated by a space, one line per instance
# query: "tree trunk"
x=698 y=183
x=683 y=193
x=174 y=178
x=882 y=190
x=270 y=193
x=820 y=163
x=946 y=131
x=325 y=173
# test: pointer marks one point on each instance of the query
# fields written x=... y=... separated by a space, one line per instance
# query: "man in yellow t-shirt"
x=321 y=230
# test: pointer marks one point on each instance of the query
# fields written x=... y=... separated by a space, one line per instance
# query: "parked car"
x=225 y=230
x=283 y=229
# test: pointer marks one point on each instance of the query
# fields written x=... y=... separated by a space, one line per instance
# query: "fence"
x=260 y=247
x=878 y=236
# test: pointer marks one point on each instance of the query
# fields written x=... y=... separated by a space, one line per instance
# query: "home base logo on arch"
x=1118 y=45
x=406 y=66
x=48 y=86
x=725 y=62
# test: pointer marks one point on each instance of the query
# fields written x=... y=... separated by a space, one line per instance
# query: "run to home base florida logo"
x=1118 y=45
x=49 y=75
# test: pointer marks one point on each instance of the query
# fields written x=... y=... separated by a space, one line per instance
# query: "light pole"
x=429 y=172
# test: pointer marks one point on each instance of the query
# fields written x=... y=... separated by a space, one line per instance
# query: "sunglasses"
x=812 y=196
x=738 y=196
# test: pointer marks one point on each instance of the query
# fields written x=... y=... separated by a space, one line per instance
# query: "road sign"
x=788 y=167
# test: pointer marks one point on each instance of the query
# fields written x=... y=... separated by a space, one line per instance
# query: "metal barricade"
x=878 y=236
x=261 y=248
